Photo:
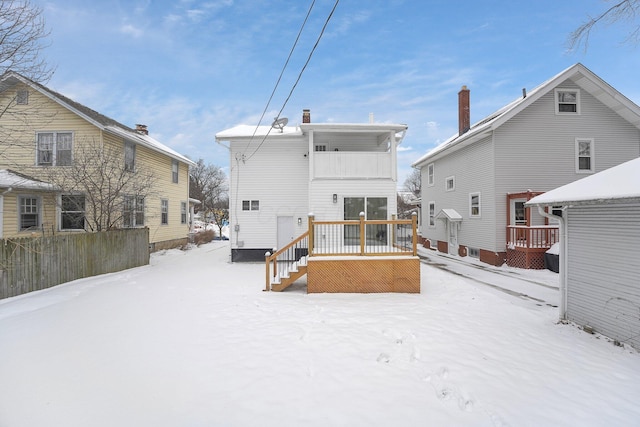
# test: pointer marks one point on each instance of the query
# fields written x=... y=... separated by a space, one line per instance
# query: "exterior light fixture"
x=335 y=198
x=299 y=221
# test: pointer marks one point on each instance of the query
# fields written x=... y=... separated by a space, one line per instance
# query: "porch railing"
x=342 y=238
x=534 y=237
x=363 y=237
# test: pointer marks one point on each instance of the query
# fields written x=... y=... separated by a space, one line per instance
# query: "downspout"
x=563 y=259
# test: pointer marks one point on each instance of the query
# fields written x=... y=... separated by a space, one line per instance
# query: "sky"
x=192 y=340
x=189 y=68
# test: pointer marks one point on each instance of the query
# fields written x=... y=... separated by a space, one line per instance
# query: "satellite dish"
x=279 y=123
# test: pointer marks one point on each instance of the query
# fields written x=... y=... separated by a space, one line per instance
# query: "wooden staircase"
x=286 y=277
x=287 y=265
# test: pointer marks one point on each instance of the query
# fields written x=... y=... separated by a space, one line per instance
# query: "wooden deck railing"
x=363 y=237
x=342 y=238
x=535 y=237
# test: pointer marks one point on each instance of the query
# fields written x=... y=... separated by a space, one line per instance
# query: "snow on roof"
x=148 y=141
x=99 y=120
x=450 y=214
x=11 y=179
x=617 y=184
x=581 y=75
x=248 y=131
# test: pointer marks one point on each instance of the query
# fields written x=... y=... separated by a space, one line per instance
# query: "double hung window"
x=29 y=212
x=72 y=212
x=54 y=148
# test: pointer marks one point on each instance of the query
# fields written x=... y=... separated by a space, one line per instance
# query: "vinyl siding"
x=322 y=191
x=472 y=168
x=535 y=150
x=277 y=175
x=10 y=214
x=603 y=271
x=47 y=115
x=164 y=188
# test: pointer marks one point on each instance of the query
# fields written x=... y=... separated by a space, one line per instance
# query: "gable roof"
x=619 y=184
x=99 y=120
x=578 y=73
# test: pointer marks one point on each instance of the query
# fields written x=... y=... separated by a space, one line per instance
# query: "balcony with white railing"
x=352 y=164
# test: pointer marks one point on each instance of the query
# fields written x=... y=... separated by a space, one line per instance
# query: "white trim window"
x=174 y=171
x=430 y=173
x=72 y=211
x=164 y=212
x=432 y=214
x=29 y=213
x=129 y=156
x=54 y=148
x=585 y=161
x=567 y=101
x=450 y=183
x=474 y=205
x=183 y=212
x=133 y=212
x=251 y=205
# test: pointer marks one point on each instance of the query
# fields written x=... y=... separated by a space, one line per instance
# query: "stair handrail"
x=271 y=273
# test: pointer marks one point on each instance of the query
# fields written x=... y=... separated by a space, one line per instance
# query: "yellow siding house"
x=44 y=134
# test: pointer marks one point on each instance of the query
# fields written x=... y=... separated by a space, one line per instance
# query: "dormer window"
x=567 y=101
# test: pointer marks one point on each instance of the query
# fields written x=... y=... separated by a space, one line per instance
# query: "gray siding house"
x=475 y=185
x=599 y=250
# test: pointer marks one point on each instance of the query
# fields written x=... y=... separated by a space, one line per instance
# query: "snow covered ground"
x=192 y=340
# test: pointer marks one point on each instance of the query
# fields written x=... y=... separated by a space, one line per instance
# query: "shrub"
x=203 y=237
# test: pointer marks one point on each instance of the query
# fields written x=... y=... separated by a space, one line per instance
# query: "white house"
x=279 y=174
x=600 y=247
x=475 y=185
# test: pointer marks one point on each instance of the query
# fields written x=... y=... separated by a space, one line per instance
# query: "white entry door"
x=453 y=237
x=285 y=231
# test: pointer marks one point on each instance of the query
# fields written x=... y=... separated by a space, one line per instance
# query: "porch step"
x=283 y=282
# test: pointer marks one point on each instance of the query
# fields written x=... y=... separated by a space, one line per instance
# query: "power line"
x=326 y=23
x=295 y=43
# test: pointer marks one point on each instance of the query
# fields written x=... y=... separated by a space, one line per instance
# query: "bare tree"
x=22 y=36
x=413 y=183
x=619 y=11
x=208 y=183
x=99 y=183
x=22 y=32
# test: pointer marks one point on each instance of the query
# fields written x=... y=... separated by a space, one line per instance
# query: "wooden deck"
x=526 y=246
x=349 y=256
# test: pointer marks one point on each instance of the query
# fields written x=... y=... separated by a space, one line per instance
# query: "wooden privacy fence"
x=34 y=263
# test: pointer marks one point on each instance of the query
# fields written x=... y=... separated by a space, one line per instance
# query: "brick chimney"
x=142 y=129
x=464 y=115
x=306 y=116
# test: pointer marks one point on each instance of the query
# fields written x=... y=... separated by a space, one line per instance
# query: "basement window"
x=473 y=252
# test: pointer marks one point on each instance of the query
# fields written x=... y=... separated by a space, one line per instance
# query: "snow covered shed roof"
x=97 y=119
x=578 y=73
x=619 y=184
x=13 y=180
